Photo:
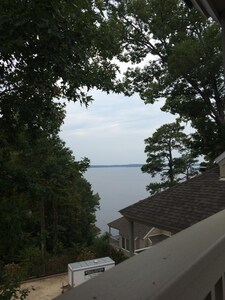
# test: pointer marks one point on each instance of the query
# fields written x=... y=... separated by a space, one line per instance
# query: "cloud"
x=112 y=129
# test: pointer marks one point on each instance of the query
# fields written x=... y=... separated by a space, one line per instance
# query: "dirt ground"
x=46 y=288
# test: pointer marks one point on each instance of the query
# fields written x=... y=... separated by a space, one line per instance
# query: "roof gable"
x=220 y=158
x=182 y=205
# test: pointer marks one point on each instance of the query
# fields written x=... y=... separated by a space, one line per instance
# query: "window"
x=125 y=244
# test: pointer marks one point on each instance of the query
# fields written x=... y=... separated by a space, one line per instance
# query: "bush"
x=10 y=278
x=102 y=248
x=31 y=262
x=85 y=254
x=57 y=264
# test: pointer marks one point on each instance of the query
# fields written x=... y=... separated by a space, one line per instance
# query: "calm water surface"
x=117 y=187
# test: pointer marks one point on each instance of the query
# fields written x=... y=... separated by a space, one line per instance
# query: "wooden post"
x=43 y=233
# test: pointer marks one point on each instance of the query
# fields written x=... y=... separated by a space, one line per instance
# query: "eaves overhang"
x=209 y=8
x=172 y=229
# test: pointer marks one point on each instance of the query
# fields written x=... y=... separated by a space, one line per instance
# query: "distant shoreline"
x=117 y=166
x=126 y=166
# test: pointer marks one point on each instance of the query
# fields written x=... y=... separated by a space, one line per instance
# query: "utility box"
x=81 y=271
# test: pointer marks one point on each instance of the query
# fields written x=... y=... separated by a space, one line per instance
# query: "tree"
x=52 y=50
x=168 y=156
x=182 y=65
x=49 y=51
x=46 y=204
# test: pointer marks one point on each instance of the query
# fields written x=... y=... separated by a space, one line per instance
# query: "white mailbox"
x=82 y=271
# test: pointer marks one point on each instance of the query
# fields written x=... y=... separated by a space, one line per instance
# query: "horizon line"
x=116 y=165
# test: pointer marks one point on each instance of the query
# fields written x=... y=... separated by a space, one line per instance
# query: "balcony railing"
x=114 y=241
x=188 y=266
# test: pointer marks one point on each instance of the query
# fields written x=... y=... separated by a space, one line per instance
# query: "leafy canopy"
x=51 y=50
x=181 y=55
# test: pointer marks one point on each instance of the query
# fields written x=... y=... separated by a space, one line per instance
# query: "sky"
x=112 y=129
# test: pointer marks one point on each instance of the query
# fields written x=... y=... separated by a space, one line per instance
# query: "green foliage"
x=49 y=207
x=58 y=264
x=117 y=255
x=85 y=254
x=168 y=155
x=10 y=278
x=45 y=42
x=31 y=261
x=101 y=247
x=50 y=51
x=182 y=64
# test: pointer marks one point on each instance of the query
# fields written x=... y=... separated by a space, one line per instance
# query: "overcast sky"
x=112 y=129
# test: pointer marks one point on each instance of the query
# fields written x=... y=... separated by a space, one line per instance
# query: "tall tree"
x=49 y=51
x=168 y=157
x=181 y=57
x=45 y=201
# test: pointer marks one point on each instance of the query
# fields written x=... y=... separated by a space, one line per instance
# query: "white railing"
x=139 y=250
x=188 y=266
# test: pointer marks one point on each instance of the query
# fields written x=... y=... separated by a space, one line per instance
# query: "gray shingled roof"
x=182 y=205
x=122 y=224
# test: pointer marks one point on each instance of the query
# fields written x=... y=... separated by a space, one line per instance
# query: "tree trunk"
x=170 y=163
x=55 y=227
x=43 y=233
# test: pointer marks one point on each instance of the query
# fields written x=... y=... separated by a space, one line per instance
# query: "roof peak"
x=220 y=157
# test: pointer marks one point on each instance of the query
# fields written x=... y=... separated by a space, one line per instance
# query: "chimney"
x=220 y=160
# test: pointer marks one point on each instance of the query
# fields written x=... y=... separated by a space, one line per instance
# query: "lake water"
x=117 y=187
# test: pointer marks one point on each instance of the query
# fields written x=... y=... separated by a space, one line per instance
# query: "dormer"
x=220 y=160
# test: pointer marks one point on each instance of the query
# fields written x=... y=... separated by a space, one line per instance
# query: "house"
x=144 y=236
x=176 y=208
